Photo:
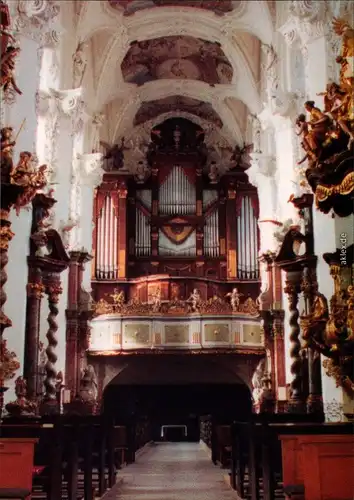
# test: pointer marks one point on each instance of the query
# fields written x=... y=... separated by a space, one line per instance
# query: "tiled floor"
x=172 y=471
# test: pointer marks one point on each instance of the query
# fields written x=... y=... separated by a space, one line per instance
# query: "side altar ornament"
x=327 y=135
x=9 y=52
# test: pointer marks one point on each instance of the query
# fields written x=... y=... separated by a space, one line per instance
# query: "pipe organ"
x=175 y=223
x=107 y=241
x=247 y=240
x=177 y=194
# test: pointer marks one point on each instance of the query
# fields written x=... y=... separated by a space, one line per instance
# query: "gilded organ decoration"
x=327 y=135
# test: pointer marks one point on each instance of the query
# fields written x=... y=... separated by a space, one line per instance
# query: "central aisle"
x=172 y=471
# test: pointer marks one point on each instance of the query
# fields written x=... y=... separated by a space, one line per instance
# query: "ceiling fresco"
x=176 y=57
x=220 y=7
x=152 y=109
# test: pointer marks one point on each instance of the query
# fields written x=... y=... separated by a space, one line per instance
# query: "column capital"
x=307 y=21
x=261 y=166
x=58 y=101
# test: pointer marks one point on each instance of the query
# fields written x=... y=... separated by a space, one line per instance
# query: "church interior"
x=176 y=242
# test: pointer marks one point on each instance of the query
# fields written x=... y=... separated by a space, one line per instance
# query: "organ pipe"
x=177 y=195
x=247 y=241
x=142 y=234
x=211 y=235
x=107 y=241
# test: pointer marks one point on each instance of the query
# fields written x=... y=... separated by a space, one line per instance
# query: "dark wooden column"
x=41 y=205
x=77 y=320
x=35 y=291
x=279 y=358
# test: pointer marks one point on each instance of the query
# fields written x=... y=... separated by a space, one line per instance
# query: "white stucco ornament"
x=90 y=169
x=307 y=20
x=39 y=19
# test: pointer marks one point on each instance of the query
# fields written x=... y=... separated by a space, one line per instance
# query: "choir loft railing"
x=247 y=240
x=107 y=241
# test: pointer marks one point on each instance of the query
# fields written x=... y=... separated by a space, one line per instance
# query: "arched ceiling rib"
x=129 y=7
x=149 y=110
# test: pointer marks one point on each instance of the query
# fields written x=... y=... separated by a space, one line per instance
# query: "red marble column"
x=122 y=231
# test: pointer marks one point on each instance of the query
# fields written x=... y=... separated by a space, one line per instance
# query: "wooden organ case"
x=168 y=225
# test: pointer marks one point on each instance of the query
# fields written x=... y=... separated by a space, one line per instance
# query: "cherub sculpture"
x=88 y=385
x=25 y=175
x=7 y=145
x=142 y=172
x=156 y=300
x=235 y=297
x=195 y=300
x=118 y=299
x=346 y=58
x=213 y=173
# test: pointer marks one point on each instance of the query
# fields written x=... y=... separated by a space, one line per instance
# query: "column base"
x=295 y=406
x=314 y=405
x=49 y=407
x=80 y=407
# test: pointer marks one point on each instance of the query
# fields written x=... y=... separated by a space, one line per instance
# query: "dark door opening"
x=177 y=405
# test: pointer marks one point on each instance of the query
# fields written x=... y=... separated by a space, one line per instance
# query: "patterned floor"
x=172 y=471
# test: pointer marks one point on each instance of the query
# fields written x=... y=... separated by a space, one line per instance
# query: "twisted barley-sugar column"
x=53 y=292
x=292 y=289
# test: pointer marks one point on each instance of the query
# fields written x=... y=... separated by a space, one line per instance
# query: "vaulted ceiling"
x=155 y=59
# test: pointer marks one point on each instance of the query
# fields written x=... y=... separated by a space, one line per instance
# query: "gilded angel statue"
x=346 y=58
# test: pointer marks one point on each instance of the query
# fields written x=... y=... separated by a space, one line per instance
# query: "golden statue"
x=25 y=175
x=346 y=58
x=7 y=146
x=320 y=307
x=118 y=299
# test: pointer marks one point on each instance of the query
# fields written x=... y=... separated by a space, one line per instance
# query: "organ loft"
x=175 y=227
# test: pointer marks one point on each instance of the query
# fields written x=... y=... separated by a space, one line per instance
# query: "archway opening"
x=174 y=391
